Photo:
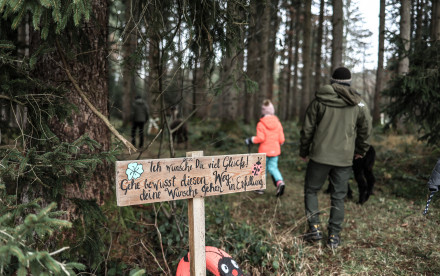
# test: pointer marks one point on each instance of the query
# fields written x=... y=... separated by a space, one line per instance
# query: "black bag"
x=434 y=180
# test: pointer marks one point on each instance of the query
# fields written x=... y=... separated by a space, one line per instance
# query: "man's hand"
x=305 y=159
x=357 y=156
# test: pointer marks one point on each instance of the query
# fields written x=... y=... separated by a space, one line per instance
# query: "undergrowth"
x=386 y=236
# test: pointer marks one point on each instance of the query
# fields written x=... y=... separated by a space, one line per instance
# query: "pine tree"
x=42 y=162
x=22 y=245
x=416 y=94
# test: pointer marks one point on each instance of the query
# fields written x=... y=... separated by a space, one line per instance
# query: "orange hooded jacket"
x=270 y=135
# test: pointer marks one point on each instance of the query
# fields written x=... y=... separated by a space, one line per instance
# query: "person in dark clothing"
x=140 y=115
x=336 y=128
x=364 y=176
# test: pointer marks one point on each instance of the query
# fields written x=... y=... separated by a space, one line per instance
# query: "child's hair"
x=267 y=108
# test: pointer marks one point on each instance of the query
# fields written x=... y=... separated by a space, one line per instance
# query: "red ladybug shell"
x=218 y=262
x=184 y=267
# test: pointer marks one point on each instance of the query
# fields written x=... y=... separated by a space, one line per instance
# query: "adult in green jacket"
x=336 y=128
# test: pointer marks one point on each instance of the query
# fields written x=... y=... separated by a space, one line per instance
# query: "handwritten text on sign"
x=153 y=180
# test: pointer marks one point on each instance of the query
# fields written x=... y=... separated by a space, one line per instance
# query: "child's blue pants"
x=272 y=168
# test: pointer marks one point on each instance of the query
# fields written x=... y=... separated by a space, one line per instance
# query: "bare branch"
x=184 y=120
x=152 y=141
x=129 y=146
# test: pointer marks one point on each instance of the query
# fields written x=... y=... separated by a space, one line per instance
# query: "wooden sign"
x=154 y=180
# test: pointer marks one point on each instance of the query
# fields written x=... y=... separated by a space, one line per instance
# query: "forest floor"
x=388 y=235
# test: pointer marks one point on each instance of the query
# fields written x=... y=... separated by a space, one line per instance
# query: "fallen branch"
x=126 y=143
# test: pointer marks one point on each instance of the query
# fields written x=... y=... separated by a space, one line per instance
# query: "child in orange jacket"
x=270 y=136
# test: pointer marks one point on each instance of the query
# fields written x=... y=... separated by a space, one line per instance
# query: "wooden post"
x=196 y=219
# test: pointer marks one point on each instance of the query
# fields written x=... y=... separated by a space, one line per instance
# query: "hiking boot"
x=280 y=188
x=260 y=192
x=314 y=234
x=333 y=241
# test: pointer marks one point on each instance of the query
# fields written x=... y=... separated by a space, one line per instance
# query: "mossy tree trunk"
x=85 y=51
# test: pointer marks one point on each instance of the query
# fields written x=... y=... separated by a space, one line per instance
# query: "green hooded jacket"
x=336 y=126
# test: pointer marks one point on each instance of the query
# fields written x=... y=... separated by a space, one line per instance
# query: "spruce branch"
x=129 y=146
x=11 y=99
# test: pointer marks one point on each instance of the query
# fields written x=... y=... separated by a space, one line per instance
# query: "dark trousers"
x=316 y=176
x=135 y=126
x=363 y=173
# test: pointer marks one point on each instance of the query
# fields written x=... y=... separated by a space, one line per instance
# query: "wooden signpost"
x=192 y=177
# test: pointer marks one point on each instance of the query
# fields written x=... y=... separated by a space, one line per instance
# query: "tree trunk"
x=230 y=73
x=306 y=57
x=295 y=101
x=405 y=22
x=318 y=71
x=153 y=76
x=17 y=113
x=263 y=10
x=281 y=105
x=272 y=51
x=435 y=25
x=379 y=72
x=128 y=75
x=252 y=62
x=337 y=34
x=90 y=72
x=326 y=56
x=419 y=20
x=229 y=96
x=200 y=96
x=287 y=103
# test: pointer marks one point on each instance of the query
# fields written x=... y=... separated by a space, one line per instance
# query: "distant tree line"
x=227 y=56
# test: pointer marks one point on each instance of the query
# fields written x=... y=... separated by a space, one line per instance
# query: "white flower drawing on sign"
x=134 y=171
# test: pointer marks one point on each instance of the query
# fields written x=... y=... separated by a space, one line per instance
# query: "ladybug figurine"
x=218 y=262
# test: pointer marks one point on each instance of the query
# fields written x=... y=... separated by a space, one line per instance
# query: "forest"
x=71 y=71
